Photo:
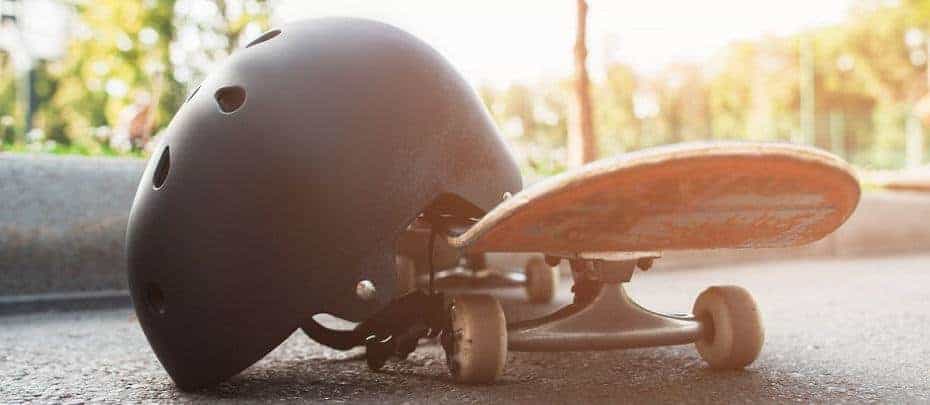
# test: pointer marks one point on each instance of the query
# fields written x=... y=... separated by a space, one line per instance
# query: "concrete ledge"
x=885 y=223
x=63 y=220
x=78 y=301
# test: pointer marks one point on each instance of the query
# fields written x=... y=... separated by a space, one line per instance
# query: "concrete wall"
x=62 y=224
x=885 y=223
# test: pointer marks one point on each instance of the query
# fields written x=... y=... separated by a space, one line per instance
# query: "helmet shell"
x=285 y=180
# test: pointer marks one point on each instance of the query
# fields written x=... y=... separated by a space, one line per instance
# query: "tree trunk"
x=581 y=141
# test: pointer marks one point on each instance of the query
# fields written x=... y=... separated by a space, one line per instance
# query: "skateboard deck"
x=687 y=196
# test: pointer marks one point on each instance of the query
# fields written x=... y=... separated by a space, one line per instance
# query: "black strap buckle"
x=392 y=331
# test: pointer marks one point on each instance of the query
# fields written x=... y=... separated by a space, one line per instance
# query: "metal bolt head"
x=365 y=290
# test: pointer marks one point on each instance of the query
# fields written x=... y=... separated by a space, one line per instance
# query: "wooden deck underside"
x=692 y=196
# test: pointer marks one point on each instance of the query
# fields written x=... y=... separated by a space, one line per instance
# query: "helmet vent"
x=264 y=37
x=155 y=299
x=161 y=169
x=230 y=98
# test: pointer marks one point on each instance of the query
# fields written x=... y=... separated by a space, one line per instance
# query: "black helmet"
x=280 y=187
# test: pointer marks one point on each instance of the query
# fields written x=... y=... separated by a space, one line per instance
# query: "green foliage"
x=120 y=56
x=868 y=73
x=10 y=111
x=533 y=119
x=866 y=81
x=209 y=30
x=617 y=127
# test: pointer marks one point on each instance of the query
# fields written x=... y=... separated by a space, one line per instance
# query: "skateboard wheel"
x=406 y=275
x=542 y=280
x=476 y=345
x=733 y=333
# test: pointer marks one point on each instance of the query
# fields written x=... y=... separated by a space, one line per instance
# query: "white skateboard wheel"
x=477 y=349
x=542 y=280
x=406 y=274
x=733 y=334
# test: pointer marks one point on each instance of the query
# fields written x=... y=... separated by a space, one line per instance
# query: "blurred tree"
x=582 y=145
x=682 y=99
x=844 y=102
x=533 y=120
x=210 y=30
x=729 y=91
x=118 y=56
x=616 y=123
x=519 y=105
x=8 y=106
x=877 y=35
x=127 y=56
x=868 y=74
x=890 y=66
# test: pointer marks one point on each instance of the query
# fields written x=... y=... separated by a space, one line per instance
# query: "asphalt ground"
x=836 y=331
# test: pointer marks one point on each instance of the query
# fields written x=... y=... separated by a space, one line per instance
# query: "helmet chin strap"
x=392 y=331
x=396 y=328
x=441 y=222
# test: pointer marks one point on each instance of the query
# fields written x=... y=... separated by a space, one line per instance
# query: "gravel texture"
x=836 y=331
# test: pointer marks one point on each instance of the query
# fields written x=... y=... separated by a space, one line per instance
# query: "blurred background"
x=567 y=81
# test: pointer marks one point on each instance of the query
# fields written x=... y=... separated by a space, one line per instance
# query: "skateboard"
x=613 y=216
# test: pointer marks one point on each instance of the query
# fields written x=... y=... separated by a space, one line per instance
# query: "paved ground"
x=836 y=331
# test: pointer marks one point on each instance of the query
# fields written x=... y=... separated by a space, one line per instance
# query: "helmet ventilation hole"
x=155 y=299
x=161 y=170
x=230 y=98
x=264 y=37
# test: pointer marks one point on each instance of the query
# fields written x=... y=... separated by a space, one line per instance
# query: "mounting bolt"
x=365 y=290
x=552 y=261
x=644 y=264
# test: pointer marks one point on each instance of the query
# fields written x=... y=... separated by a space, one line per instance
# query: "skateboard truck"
x=727 y=330
x=603 y=316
